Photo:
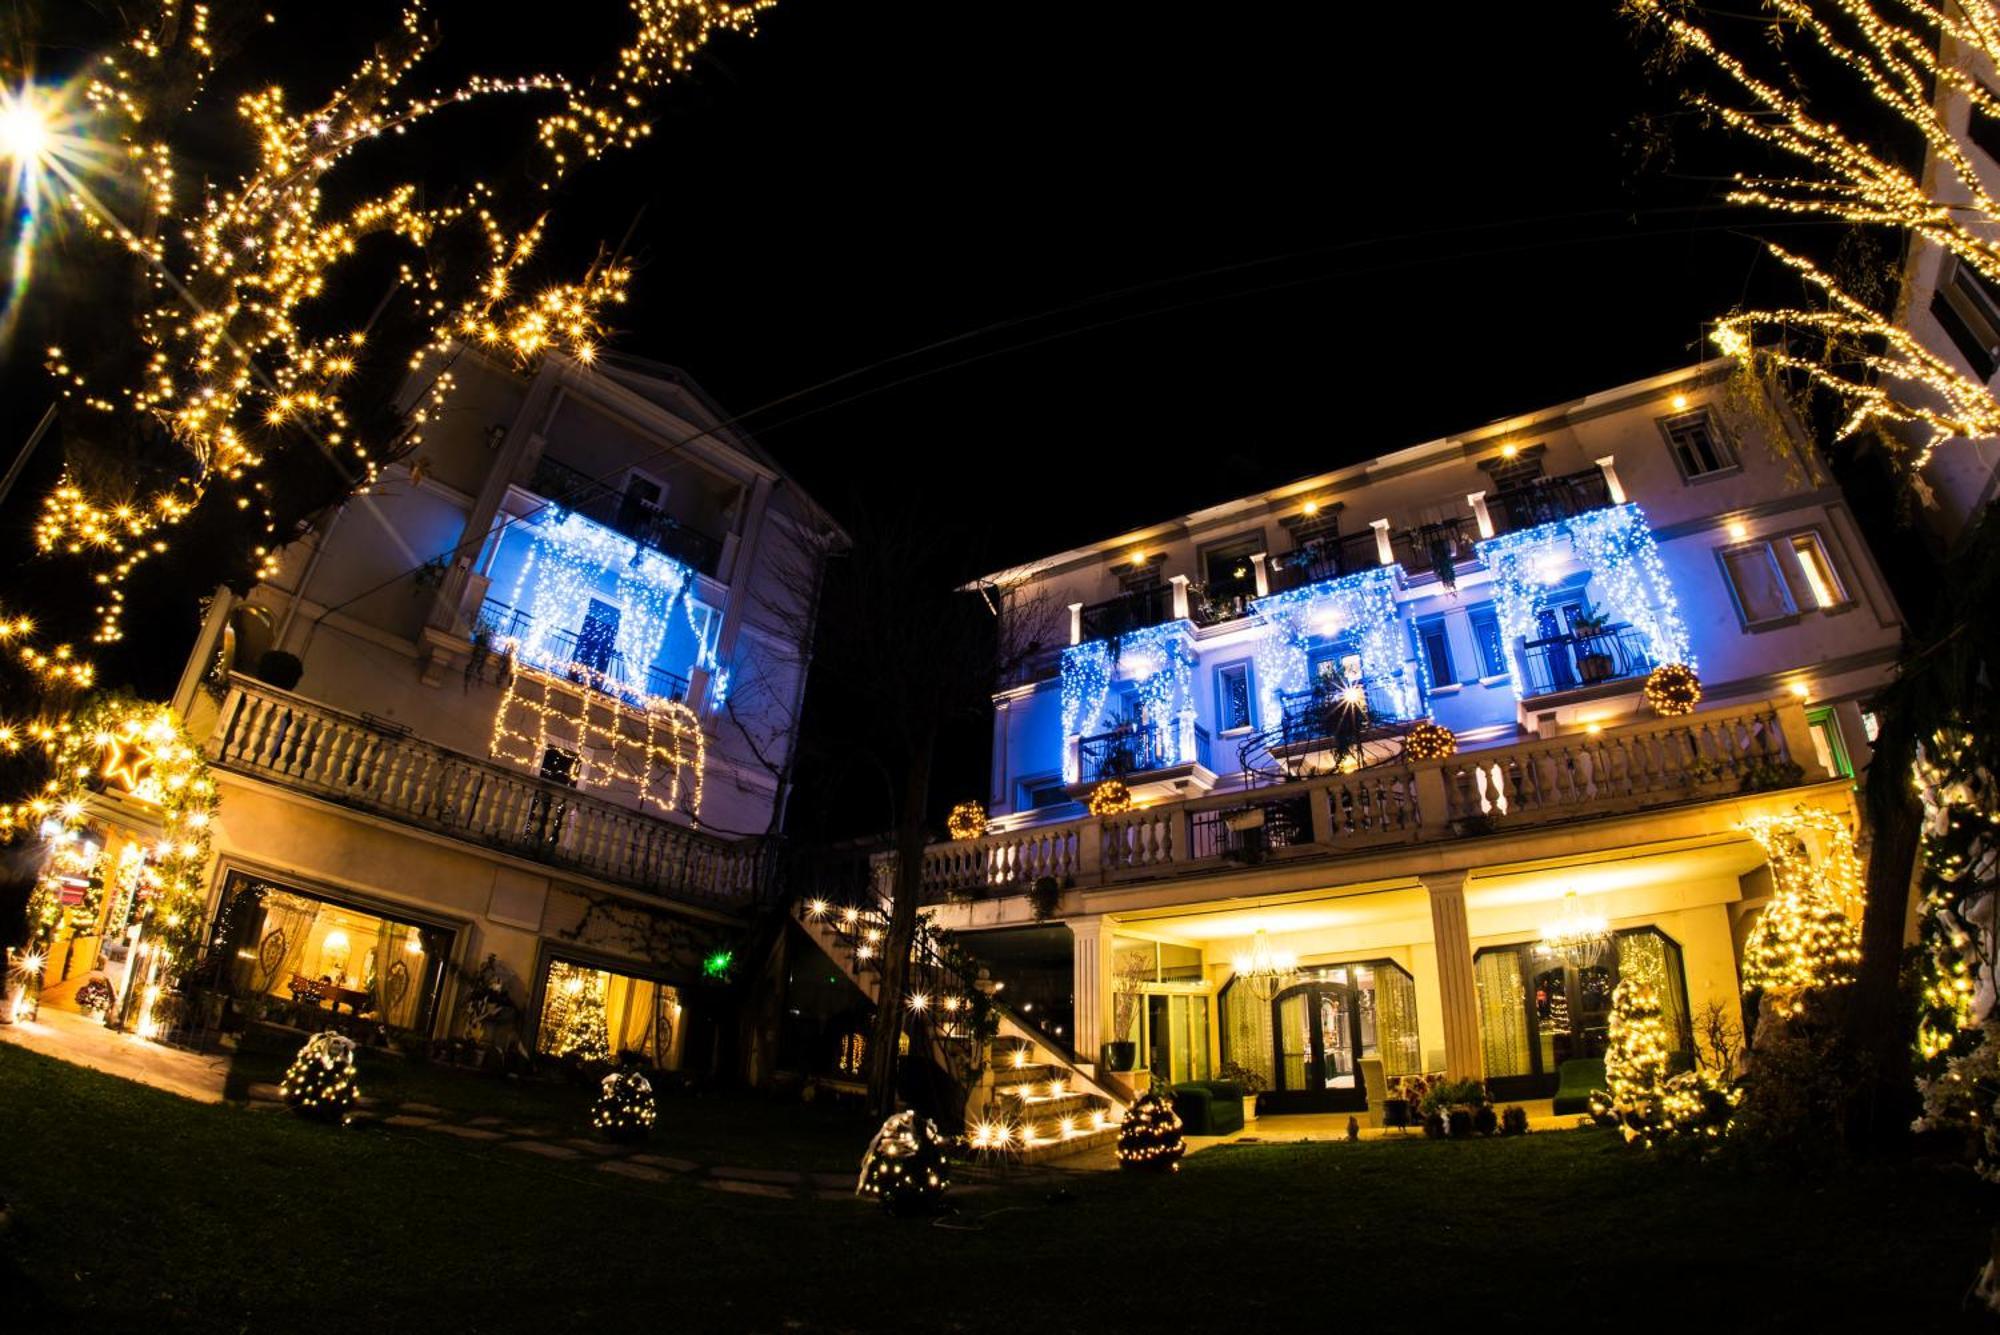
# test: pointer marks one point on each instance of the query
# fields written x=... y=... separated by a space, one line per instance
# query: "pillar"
x=1090 y=985
x=1076 y=623
x=1457 y=995
x=1180 y=583
x=207 y=644
x=1612 y=486
x=1477 y=500
x=1260 y=569
x=1383 y=551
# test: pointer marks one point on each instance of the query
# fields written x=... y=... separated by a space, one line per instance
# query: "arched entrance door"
x=1316 y=1027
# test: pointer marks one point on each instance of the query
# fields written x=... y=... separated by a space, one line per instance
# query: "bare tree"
x=906 y=647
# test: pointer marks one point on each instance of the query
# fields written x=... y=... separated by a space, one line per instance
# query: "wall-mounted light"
x=1680 y=402
x=1738 y=530
x=1309 y=509
x=1509 y=450
x=1800 y=690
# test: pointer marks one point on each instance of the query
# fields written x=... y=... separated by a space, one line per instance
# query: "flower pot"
x=1121 y=1056
x=1396 y=1112
x=1594 y=667
x=1249 y=1108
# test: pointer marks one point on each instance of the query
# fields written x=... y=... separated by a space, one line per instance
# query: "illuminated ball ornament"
x=966 y=821
x=626 y=1108
x=1110 y=798
x=1430 y=741
x=1150 y=1135
x=320 y=1081
x=905 y=1166
x=1673 y=689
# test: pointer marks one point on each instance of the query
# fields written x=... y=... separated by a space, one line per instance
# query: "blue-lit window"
x=597 y=641
x=1436 y=644
x=1233 y=708
x=1486 y=635
x=1035 y=794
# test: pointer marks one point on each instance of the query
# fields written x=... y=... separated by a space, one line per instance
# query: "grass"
x=136 y=1209
x=712 y=1128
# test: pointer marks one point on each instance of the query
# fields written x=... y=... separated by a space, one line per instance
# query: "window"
x=1043 y=792
x=1828 y=744
x=1762 y=596
x=597 y=641
x=1969 y=309
x=1486 y=636
x=1538 y=1010
x=595 y=1014
x=1233 y=711
x=1821 y=582
x=1227 y=567
x=1697 y=446
x=1436 y=642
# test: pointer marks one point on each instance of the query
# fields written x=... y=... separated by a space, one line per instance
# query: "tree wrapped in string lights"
x=1150 y=1135
x=625 y=1108
x=905 y=1167
x=320 y=1082
x=1806 y=938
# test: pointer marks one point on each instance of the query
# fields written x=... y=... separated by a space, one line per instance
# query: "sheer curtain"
x=1503 y=1012
x=281 y=940
x=397 y=973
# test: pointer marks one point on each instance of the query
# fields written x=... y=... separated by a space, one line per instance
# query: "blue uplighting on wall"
x=1361 y=607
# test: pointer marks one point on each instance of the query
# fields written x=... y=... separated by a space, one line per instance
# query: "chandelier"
x=1575 y=937
x=1263 y=969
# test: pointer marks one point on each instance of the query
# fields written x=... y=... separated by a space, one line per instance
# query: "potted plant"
x=1453 y=1106
x=1593 y=664
x=1129 y=974
x=1251 y=1082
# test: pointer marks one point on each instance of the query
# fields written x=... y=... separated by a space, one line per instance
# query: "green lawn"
x=134 y=1209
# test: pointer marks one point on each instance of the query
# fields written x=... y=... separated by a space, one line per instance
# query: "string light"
x=655 y=748
x=1673 y=689
x=1157 y=660
x=1110 y=798
x=1806 y=937
x=1150 y=1136
x=224 y=367
x=1361 y=605
x=1430 y=741
x=1616 y=547
x=966 y=821
x=625 y=1109
x=320 y=1082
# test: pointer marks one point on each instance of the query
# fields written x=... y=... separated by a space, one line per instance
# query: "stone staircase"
x=1024 y=1098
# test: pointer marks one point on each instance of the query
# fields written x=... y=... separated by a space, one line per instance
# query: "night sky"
x=1084 y=267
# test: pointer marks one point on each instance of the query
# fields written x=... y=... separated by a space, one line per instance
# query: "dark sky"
x=1092 y=265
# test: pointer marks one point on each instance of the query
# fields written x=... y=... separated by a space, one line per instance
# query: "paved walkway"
x=83 y=1041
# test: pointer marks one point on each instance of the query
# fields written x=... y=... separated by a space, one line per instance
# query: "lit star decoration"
x=174 y=777
x=1359 y=609
x=1807 y=936
x=320 y=1082
x=1616 y=546
x=226 y=367
x=966 y=821
x=1915 y=63
x=625 y=1108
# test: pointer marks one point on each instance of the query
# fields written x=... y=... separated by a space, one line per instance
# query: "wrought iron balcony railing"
x=634 y=518
x=1128 y=612
x=1133 y=749
x=1546 y=499
x=502 y=623
x=1566 y=662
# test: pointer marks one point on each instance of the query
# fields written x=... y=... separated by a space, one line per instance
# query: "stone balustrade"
x=269 y=734
x=1660 y=763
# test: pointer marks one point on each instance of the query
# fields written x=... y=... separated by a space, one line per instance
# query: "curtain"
x=281 y=940
x=1650 y=956
x=1246 y=1030
x=1503 y=1012
x=1396 y=1022
x=397 y=974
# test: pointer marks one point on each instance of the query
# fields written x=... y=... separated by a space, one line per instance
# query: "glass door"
x=1317 y=1030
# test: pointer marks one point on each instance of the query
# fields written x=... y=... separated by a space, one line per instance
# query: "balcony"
x=505 y=625
x=1547 y=499
x=628 y=515
x=1331 y=556
x=1128 y=612
x=1572 y=661
x=1640 y=767
x=275 y=736
x=1326 y=716
x=1132 y=749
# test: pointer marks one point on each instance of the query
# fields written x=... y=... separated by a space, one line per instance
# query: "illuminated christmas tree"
x=905 y=1165
x=1806 y=937
x=1150 y=1135
x=320 y=1081
x=574 y=1016
x=625 y=1107
x=1635 y=1060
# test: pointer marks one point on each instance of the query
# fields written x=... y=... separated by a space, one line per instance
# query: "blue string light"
x=1158 y=660
x=1361 y=605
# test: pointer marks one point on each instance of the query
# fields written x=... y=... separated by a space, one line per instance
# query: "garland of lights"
x=1430 y=741
x=320 y=1082
x=140 y=749
x=1806 y=937
x=1361 y=605
x=223 y=366
x=1158 y=660
x=645 y=746
x=1616 y=547
x=625 y=1108
x=1673 y=689
x=966 y=821
x=1150 y=1136
x=1110 y=798
x=1647 y=1102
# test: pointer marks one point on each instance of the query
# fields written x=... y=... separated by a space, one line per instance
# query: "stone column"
x=1383 y=551
x=1612 y=485
x=1477 y=500
x=1459 y=997
x=1076 y=623
x=1090 y=985
x=1260 y=568
x=1180 y=583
